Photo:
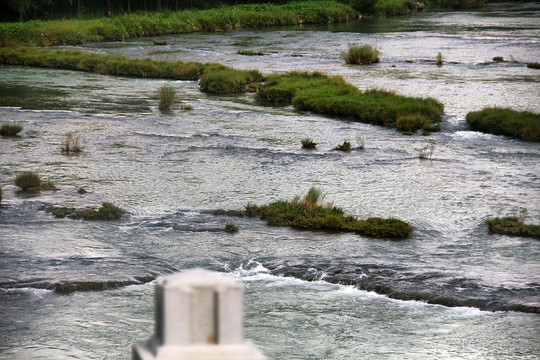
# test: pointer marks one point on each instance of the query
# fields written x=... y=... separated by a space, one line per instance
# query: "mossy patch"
x=107 y=211
x=512 y=226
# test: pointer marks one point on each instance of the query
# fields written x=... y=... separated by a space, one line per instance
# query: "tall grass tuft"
x=361 y=55
x=346 y=147
x=439 y=60
x=10 y=130
x=313 y=198
x=28 y=181
x=72 y=144
x=166 y=97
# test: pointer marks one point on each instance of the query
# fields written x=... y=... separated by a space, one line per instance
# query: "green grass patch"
x=250 y=53
x=120 y=28
x=331 y=95
x=522 y=125
x=107 y=211
x=396 y=7
x=361 y=55
x=512 y=226
x=166 y=97
x=309 y=213
x=10 y=130
x=229 y=81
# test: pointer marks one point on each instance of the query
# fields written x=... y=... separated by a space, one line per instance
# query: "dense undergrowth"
x=310 y=214
x=332 y=96
x=522 y=125
x=122 y=27
x=513 y=226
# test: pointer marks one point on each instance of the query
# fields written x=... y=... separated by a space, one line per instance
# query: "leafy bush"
x=10 y=130
x=166 y=97
x=362 y=55
x=28 y=181
x=522 y=125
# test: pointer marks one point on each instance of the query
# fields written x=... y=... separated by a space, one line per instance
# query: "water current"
x=449 y=291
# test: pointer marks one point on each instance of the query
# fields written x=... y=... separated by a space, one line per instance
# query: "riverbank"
x=120 y=28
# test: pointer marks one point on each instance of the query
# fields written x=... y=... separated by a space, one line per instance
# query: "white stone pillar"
x=199 y=315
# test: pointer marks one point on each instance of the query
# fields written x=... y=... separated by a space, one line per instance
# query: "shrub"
x=107 y=211
x=10 y=130
x=28 y=181
x=346 y=146
x=72 y=144
x=534 y=65
x=362 y=55
x=231 y=228
x=498 y=59
x=308 y=143
x=439 y=59
x=522 y=125
x=166 y=97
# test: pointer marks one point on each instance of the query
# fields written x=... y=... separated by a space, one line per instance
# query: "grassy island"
x=512 y=226
x=521 y=125
x=308 y=213
x=122 y=27
x=107 y=211
x=331 y=95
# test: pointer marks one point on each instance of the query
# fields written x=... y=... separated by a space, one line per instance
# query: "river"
x=449 y=291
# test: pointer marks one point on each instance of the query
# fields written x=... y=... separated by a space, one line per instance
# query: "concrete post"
x=199 y=315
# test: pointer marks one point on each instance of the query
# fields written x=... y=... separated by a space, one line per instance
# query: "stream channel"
x=450 y=291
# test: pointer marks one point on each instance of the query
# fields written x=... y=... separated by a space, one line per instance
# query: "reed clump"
x=32 y=181
x=311 y=214
x=345 y=147
x=308 y=143
x=166 y=97
x=122 y=27
x=231 y=228
x=361 y=55
x=331 y=95
x=72 y=144
x=10 y=130
x=522 y=125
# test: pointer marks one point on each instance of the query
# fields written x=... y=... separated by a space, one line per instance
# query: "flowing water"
x=449 y=291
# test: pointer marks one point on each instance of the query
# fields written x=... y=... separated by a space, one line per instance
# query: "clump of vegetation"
x=498 y=59
x=166 y=97
x=250 y=53
x=514 y=226
x=346 y=147
x=361 y=55
x=331 y=95
x=72 y=144
x=439 y=60
x=309 y=213
x=58 y=211
x=122 y=27
x=308 y=143
x=397 y=7
x=533 y=65
x=10 y=130
x=522 y=125
x=229 y=81
x=159 y=42
x=107 y=211
x=411 y=122
x=32 y=181
x=426 y=152
x=231 y=228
